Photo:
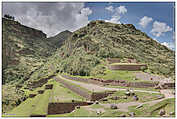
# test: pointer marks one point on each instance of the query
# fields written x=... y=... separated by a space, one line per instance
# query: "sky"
x=155 y=19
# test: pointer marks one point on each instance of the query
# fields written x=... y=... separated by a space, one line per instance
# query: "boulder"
x=104 y=99
x=132 y=114
x=127 y=93
x=122 y=115
x=124 y=97
x=162 y=112
x=172 y=113
x=96 y=102
x=77 y=107
x=135 y=98
x=160 y=96
x=139 y=106
x=113 y=106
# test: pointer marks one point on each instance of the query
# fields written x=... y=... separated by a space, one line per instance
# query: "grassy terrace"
x=143 y=97
x=36 y=105
x=42 y=106
x=153 y=111
x=32 y=106
x=90 y=111
x=68 y=82
x=116 y=75
x=62 y=94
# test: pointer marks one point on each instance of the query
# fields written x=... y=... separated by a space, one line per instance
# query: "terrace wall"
x=114 y=82
x=113 y=60
x=90 y=96
x=75 y=89
x=40 y=82
x=61 y=108
x=127 y=67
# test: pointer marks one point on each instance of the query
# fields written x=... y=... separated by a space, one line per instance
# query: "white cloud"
x=110 y=8
x=114 y=19
x=145 y=21
x=117 y=14
x=86 y=11
x=121 y=10
x=51 y=18
x=159 y=28
x=170 y=45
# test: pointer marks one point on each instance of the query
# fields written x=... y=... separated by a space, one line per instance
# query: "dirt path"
x=94 y=87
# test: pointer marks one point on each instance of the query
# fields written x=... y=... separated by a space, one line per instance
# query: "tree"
x=7 y=16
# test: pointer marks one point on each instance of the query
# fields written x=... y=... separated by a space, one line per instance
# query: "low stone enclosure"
x=128 y=67
x=61 y=108
x=119 y=82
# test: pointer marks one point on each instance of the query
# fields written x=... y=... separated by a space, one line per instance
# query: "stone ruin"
x=32 y=95
x=49 y=86
x=40 y=91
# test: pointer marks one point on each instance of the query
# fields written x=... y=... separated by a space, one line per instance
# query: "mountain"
x=59 y=39
x=86 y=49
x=29 y=56
x=24 y=50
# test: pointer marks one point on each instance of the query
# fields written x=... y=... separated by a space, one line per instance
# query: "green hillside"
x=87 y=49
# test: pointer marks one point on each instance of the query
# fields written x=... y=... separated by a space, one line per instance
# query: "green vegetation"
x=153 y=110
x=143 y=97
x=89 y=46
x=62 y=94
x=29 y=56
x=42 y=106
x=75 y=85
x=25 y=109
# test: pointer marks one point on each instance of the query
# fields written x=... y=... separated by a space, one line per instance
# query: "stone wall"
x=127 y=67
x=40 y=82
x=75 y=89
x=49 y=86
x=61 y=108
x=113 y=82
x=113 y=60
x=89 y=96
x=97 y=96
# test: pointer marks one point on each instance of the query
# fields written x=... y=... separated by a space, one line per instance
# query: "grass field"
x=26 y=108
x=143 y=97
x=153 y=111
x=62 y=94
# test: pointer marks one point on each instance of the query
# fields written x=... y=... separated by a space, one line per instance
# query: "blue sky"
x=159 y=12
